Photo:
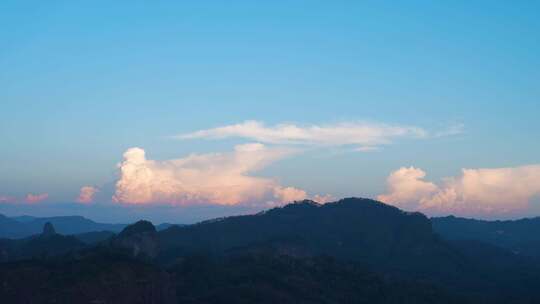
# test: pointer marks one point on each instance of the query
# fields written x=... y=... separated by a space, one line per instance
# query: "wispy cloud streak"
x=364 y=135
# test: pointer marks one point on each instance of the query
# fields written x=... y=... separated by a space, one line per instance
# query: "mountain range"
x=519 y=236
x=350 y=251
x=25 y=226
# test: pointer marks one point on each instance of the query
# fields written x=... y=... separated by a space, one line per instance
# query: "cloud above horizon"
x=35 y=198
x=213 y=178
x=366 y=136
x=86 y=194
x=29 y=198
x=7 y=199
x=497 y=191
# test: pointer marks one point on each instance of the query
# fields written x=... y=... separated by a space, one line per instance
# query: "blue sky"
x=83 y=82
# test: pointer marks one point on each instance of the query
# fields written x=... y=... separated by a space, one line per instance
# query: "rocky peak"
x=138 y=228
x=140 y=238
x=48 y=229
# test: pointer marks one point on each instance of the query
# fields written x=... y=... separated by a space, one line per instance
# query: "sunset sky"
x=182 y=111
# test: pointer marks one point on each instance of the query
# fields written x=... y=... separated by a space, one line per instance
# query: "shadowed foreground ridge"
x=356 y=229
x=353 y=250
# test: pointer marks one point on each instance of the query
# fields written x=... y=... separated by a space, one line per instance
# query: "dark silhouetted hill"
x=94 y=237
x=140 y=239
x=90 y=277
x=356 y=229
x=519 y=236
x=381 y=237
x=274 y=278
x=350 y=251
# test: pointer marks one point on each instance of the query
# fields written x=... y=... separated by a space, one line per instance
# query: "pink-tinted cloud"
x=36 y=198
x=214 y=178
x=481 y=192
x=7 y=199
x=322 y=199
x=366 y=149
x=407 y=188
x=86 y=194
x=289 y=194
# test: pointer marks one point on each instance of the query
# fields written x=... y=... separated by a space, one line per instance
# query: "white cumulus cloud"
x=407 y=188
x=495 y=191
x=364 y=135
x=289 y=194
x=214 y=178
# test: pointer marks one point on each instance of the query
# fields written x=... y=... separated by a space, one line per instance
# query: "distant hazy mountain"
x=23 y=218
x=164 y=226
x=10 y=228
x=24 y=226
x=520 y=236
x=47 y=244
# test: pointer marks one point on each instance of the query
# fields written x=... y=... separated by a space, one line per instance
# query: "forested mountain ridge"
x=519 y=236
x=353 y=250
